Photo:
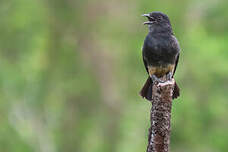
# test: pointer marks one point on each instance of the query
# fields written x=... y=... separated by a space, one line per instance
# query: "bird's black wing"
x=176 y=47
x=145 y=64
x=176 y=63
x=144 y=48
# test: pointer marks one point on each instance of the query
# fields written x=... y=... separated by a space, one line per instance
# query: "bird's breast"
x=159 y=51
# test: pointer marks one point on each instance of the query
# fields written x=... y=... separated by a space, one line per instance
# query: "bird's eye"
x=159 y=18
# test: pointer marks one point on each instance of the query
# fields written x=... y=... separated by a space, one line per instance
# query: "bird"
x=160 y=53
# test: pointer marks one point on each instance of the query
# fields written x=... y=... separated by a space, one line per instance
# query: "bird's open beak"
x=149 y=17
x=146 y=15
x=148 y=22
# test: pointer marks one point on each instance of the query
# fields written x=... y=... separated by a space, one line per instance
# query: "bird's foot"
x=155 y=80
x=169 y=76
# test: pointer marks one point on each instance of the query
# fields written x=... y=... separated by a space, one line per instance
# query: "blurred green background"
x=71 y=72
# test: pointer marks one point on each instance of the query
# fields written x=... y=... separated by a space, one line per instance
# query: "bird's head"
x=158 y=21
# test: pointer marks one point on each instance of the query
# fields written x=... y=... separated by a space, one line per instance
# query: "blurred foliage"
x=71 y=72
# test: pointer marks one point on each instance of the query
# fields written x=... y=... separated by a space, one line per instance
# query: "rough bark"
x=160 y=116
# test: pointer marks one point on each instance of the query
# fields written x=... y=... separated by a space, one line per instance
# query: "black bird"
x=160 y=53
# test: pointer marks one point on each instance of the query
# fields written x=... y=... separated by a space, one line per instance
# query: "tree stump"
x=160 y=117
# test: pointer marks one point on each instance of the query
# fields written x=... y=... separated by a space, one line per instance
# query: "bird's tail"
x=146 y=91
x=176 y=91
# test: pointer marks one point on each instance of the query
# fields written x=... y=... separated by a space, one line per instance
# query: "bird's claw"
x=169 y=76
x=155 y=80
